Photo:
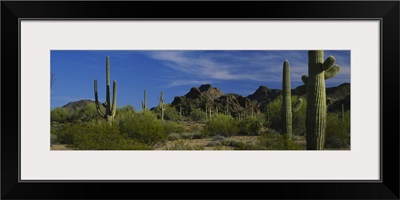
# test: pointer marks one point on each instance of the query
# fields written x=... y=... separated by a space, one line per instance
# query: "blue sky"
x=175 y=72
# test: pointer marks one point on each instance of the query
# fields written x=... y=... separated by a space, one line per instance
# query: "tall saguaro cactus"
x=110 y=109
x=318 y=71
x=162 y=109
x=144 y=101
x=287 y=102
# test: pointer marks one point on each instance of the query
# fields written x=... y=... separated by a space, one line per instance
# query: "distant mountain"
x=212 y=97
x=263 y=96
x=78 y=105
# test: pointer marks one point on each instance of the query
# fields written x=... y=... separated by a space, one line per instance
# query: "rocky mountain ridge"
x=213 y=98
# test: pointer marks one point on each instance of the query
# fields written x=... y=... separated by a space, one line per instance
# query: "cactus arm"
x=114 y=104
x=96 y=97
x=297 y=105
x=304 y=78
x=328 y=63
x=333 y=71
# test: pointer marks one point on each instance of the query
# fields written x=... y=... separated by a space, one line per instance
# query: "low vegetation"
x=83 y=129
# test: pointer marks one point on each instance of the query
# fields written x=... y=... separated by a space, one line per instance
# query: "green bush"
x=221 y=124
x=214 y=144
x=273 y=116
x=232 y=143
x=170 y=112
x=299 y=118
x=249 y=126
x=105 y=137
x=174 y=136
x=59 y=115
x=65 y=134
x=271 y=141
x=92 y=136
x=143 y=127
x=125 y=113
x=337 y=131
x=277 y=142
x=198 y=115
x=173 y=127
x=192 y=135
x=182 y=145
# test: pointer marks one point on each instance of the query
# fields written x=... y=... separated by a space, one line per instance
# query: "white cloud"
x=263 y=66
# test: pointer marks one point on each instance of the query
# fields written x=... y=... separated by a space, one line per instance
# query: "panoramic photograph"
x=200 y=100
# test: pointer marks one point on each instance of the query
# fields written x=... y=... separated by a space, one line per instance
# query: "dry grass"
x=196 y=143
x=60 y=147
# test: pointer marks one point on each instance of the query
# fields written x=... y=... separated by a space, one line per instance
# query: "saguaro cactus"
x=318 y=71
x=161 y=105
x=144 y=101
x=287 y=102
x=110 y=110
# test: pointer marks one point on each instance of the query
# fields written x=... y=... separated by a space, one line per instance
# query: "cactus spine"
x=162 y=109
x=110 y=109
x=144 y=101
x=286 y=101
x=318 y=71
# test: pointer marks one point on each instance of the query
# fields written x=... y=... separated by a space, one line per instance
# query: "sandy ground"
x=59 y=147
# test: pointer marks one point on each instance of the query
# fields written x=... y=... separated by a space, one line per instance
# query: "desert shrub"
x=277 y=142
x=194 y=128
x=173 y=127
x=273 y=116
x=192 y=135
x=59 y=115
x=337 y=131
x=87 y=113
x=105 y=137
x=269 y=141
x=221 y=124
x=197 y=135
x=65 y=134
x=143 y=127
x=96 y=136
x=249 y=126
x=174 y=136
x=218 y=138
x=53 y=139
x=170 y=112
x=299 y=118
x=213 y=143
x=232 y=143
x=125 y=113
x=198 y=115
x=182 y=145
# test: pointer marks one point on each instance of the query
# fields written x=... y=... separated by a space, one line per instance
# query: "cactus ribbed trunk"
x=316 y=102
x=110 y=108
x=286 y=101
x=162 y=106
x=144 y=103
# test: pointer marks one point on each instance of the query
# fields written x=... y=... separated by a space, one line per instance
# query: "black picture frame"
x=386 y=11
